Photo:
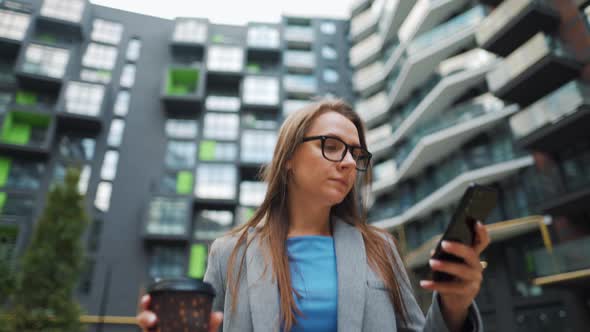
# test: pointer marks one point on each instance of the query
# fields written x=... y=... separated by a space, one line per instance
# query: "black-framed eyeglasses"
x=335 y=149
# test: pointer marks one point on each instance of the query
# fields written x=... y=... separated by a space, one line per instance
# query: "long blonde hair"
x=273 y=210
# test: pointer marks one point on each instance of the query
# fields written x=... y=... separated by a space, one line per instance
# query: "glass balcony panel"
x=210 y=224
x=365 y=49
x=263 y=37
x=362 y=22
x=13 y=25
x=252 y=193
x=368 y=76
x=299 y=59
x=45 y=60
x=190 y=31
x=67 y=10
x=565 y=257
x=449 y=29
x=300 y=34
x=291 y=105
x=257 y=146
x=300 y=84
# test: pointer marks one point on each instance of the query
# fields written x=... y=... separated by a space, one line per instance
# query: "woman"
x=308 y=260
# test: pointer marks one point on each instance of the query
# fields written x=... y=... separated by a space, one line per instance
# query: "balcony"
x=13 y=30
x=298 y=36
x=453 y=190
x=300 y=85
x=363 y=24
x=373 y=107
x=368 y=79
x=263 y=38
x=261 y=92
x=438 y=138
x=366 y=51
x=514 y=22
x=538 y=67
x=27 y=133
x=394 y=14
x=299 y=61
x=441 y=96
x=293 y=105
x=189 y=35
x=42 y=67
x=81 y=107
x=70 y=16
x=429 y=49
x=182 y=91
x=565 y=263
x=167 y=219
x=555 y=120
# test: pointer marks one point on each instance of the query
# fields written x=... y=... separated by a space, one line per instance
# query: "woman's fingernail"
x=446 y=244
x=152 y=319
x=432 y=262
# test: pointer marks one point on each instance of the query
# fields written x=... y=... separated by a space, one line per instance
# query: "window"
x=106 y=31
x=257 y=146
x=20 y=174
x=168 y=216
x=221 y=126
x=216 y=181
x=109 y=165
x=77 y=148
x=133 y=50
x=116 y=132
x=95 y=76
x=46 y=60
x=225 y=58
x=67 y=10
x=217 y=151
x=263 y=37
x=190 y=31
x=121 y=107
x=102 y=200
x=180 y=128
x=100 y=56
x=328 y=28
x=222 y=103
x=84 y=98
x=261 y=90
x=166 y=262
x=252 y=193
x=180 y=155
x=127 y=76
x=329 y=52
x=330 y=76
x=13 y=25
x=210 y=224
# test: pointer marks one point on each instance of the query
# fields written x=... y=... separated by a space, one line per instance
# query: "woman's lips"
x=342 y=182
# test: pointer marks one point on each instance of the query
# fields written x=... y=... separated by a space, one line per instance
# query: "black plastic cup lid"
x=181 y=285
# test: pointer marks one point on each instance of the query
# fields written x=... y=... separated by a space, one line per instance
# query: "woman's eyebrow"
x=356 y=143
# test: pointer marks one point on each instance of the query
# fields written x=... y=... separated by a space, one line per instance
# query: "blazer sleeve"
x=215 y=275
x=434 y=321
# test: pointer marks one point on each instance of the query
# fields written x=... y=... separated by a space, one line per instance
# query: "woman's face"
x=318 y=179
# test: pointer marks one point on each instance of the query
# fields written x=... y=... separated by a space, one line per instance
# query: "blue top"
x=312 y=262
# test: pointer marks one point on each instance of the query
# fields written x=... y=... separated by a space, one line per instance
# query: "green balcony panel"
x=253 y=68
x=217 y=38
x=184 y=182
x=26 y=98
x=2 y=202
x=182 y=81
x=4 y=170
x=207 y=150
x=198 y=261
x=18 y=126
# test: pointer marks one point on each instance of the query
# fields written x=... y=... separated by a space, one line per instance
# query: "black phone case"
x=476 y=204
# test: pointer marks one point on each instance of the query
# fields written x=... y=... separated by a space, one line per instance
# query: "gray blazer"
x=363 y=302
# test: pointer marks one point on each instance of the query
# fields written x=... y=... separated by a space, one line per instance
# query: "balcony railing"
x=551 y=112
x=368 y=76
x=362 y=22
x=304 y=60
x=372 y=106
x=364 y=51
x=27 y=129
x=300 y=84
x=536 y=68
x=298 y=34
x=449 y=29
x=513 y=22
x=565 y=257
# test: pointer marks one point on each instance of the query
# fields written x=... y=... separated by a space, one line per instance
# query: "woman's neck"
x=308 y=218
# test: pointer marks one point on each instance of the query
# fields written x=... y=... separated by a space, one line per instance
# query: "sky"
x=238 y=12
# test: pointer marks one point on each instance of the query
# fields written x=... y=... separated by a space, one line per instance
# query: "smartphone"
x=476 y=204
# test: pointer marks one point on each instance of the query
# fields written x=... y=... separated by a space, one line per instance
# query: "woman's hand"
x=456 y=296
x=147 y=319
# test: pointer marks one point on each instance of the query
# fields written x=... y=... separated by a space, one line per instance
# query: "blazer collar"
x=350 y=263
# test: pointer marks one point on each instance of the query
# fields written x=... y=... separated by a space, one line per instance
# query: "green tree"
x=43 y=298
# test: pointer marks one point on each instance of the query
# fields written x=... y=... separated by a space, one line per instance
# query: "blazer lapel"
x=262 y=291
x=351 y=261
